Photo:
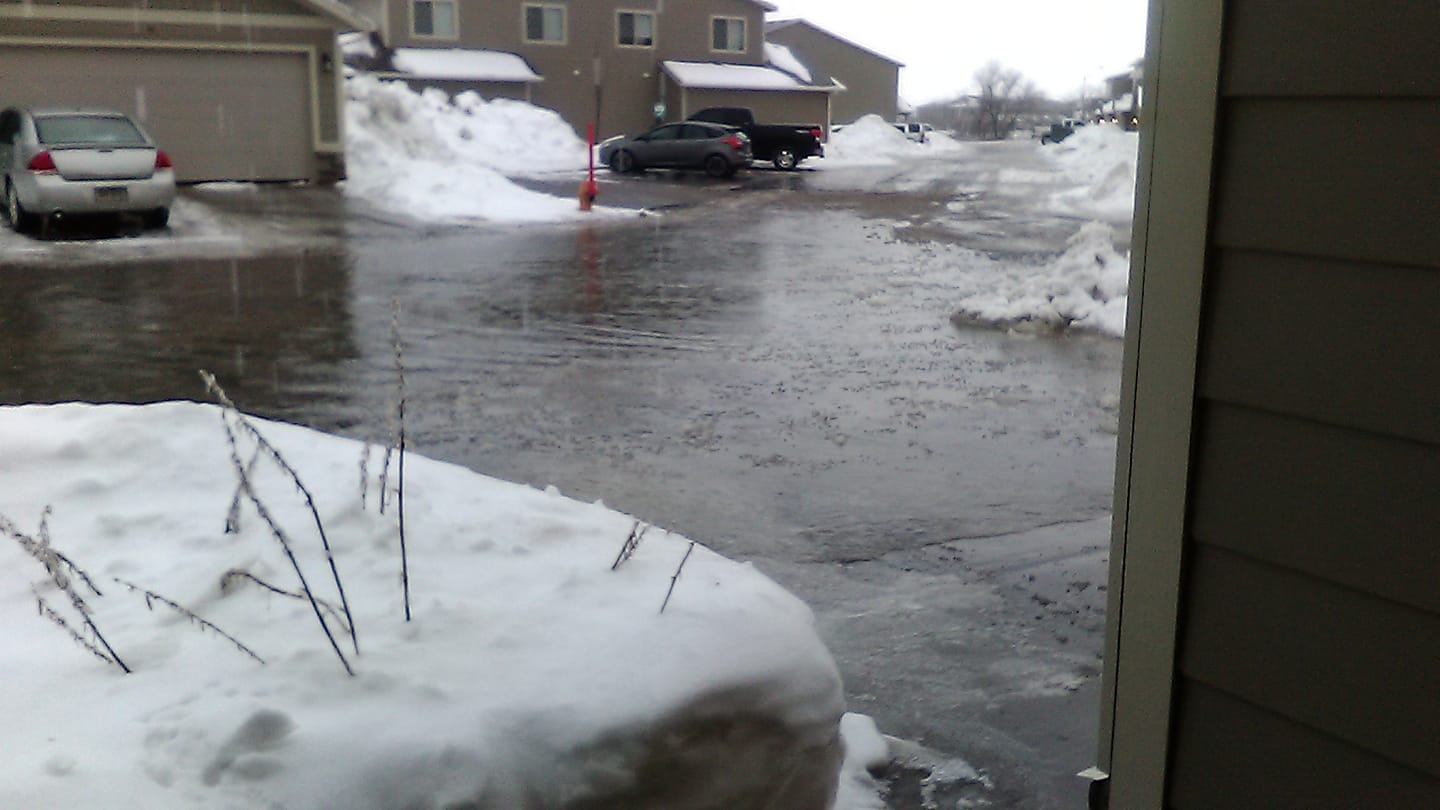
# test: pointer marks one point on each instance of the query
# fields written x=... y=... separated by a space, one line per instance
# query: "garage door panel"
x=220 y=115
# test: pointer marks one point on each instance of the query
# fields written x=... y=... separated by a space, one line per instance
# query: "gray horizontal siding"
x=1353 y=666
x=1309 y=658
x=1331 y=47
x=1356 y=509
x=1341 y=178
x=1351 y=344
x=1234 y=754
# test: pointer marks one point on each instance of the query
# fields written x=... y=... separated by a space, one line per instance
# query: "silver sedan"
x=63 y=162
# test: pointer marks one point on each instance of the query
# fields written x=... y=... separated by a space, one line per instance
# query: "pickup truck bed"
x=785 y=145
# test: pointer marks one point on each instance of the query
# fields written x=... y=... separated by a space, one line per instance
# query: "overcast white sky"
x=1058 y=43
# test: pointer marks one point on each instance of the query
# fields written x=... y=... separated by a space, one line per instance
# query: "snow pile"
x=1101 y=160
x=1084 y=288
x=529 y=675
x=868 y=141
x=422 y=155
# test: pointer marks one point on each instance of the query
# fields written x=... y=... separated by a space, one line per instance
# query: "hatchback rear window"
x=58 y=130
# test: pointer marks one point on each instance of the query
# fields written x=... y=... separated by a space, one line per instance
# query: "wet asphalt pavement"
x=767 y=365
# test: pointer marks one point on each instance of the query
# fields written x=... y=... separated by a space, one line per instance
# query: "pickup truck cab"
x=785 y=145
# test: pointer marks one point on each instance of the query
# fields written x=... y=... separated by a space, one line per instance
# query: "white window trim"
x=654 y=28
x=438 y=37
x=710 y=33
x=564 y=25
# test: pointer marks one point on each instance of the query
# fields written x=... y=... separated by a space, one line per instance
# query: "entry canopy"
x=721 y=76
x=461 y=64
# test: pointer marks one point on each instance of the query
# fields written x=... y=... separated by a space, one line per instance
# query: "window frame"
x=525 y=24
x=454 y=20
x=744 y=33
x=637 y=12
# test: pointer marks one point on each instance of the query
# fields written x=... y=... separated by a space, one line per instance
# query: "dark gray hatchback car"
x=717 y=149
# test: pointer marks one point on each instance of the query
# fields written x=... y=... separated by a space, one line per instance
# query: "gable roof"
x=776 y=26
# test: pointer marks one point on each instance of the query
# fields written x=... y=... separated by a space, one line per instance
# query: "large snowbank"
x=872 y=141
x=1085 y=287
x=422 y=155
x=527 y=677
x=1100 y=161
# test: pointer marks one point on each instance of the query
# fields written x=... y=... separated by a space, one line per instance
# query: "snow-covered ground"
x=530 y=672
x=1099 y=163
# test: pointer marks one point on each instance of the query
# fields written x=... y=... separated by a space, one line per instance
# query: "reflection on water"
x=274 y=330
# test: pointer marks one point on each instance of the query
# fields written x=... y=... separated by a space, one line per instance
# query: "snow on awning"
x=713 y=76
x=462 y=64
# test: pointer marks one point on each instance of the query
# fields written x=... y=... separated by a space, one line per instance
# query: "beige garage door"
x=220 y=115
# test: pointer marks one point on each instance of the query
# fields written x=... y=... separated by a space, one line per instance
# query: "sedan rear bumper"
x=51 y=194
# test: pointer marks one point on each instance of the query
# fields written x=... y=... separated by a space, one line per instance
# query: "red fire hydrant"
x=589 y=190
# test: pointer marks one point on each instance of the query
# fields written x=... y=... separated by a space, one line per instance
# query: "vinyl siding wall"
x=630 y=76
x=871 y=82
x=1308 y=662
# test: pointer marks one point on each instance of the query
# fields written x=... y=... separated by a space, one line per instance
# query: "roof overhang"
x=347 y=18
x=462 y=64
x=725 y=76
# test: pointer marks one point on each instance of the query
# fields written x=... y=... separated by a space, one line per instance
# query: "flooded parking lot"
x=768 y=366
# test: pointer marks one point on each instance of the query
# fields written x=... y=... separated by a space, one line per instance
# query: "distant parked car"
x=719 y=150
x=58 y=163
x=915 y=131
x=1057 y=133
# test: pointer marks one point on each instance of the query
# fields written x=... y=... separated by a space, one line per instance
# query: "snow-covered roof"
x=776 y=26
x=463 y=64
x=781 y=57
x=715 y=76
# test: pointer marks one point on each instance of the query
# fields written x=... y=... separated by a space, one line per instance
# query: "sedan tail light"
x=732 y=141
x=162 y=160
x=42 y=163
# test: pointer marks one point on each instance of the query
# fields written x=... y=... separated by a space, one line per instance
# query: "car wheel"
x=785 y=159
x=20 y=220
x=718 y=166
x=622 y=162
x=158 y=218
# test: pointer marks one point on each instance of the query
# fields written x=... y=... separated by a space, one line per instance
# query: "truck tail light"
x=42 y=163
x=817 y=133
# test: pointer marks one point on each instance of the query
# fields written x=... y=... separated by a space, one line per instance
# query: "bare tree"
x=1002 y=96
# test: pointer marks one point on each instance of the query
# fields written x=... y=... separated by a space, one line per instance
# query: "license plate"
x=111 y=194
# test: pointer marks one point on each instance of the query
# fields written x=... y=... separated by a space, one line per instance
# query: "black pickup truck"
x=785 y=145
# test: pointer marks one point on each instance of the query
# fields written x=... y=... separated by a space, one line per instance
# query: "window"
x=434 y=18
x=635 y=29
x=545 y=24
x=728 y=33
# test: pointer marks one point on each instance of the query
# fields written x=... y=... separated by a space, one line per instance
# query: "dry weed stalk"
x=48 y=612
x=278 y=533
x=637 y=533
x=57 y=565
x=676 y=578
x=400 y=443
x=151 y=597
x=227 y=584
